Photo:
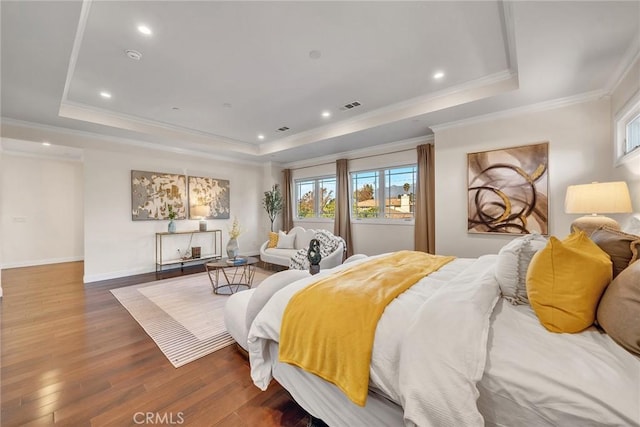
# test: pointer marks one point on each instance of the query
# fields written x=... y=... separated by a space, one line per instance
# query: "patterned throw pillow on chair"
x=328 y=244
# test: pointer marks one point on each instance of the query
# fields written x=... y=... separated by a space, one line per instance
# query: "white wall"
x=42 y=210
x=580 y=151
x=116 y=246
x=369 y=237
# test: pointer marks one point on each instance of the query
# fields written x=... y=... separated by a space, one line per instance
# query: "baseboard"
x=31 y=263
x=90 y=278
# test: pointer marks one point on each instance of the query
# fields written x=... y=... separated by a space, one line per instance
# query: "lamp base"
x=590 y=223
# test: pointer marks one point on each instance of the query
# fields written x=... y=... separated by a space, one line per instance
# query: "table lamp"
x=200 y=211
x=595 y=199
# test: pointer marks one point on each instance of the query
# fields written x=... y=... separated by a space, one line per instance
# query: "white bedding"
x=531 y=376
x=536 y=377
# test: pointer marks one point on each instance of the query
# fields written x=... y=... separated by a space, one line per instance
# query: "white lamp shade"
x=598 y=198
x=199 y=211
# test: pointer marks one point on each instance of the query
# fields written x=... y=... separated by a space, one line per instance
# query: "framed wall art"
x=508 y=190
x=208 y=198
x=152 y=193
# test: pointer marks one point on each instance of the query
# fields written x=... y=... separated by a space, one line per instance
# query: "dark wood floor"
x=73 y=356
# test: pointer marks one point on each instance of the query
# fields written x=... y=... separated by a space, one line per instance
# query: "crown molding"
x=531 y=108
x=631 y=56
x=378 y=150
x=29 y=131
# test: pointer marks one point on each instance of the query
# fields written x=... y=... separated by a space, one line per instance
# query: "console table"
x=210 y=242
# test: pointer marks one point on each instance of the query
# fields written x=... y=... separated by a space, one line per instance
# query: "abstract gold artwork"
x=153 y=192
x=508 y=190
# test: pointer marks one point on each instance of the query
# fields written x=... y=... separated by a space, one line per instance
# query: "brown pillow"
x=622 y=247
x=619 y=309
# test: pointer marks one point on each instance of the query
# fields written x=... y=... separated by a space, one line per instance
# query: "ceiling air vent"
x=283 y=129
x=350 y=105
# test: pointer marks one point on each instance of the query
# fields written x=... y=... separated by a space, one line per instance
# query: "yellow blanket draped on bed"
x=328 y=327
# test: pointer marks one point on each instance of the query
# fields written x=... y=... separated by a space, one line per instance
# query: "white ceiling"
x=214 y=75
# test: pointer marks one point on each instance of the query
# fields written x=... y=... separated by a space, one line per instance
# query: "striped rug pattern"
x=182 y=315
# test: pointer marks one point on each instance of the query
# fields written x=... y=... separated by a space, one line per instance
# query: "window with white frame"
x=316 y=197
x=632 y=135
x=627 y=130
x=384 y=193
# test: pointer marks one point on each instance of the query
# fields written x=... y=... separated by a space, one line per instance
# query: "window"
x=316 y=197
x=633 y=135
x=627 y=131
x=384 y=193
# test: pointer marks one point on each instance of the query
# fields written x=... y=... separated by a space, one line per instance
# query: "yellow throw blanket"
x=328 y=328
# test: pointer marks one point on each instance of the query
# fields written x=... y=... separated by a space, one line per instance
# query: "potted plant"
x=171 y=215
x=272 y=202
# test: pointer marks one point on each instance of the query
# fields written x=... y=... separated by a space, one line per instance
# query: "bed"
x=451 y=350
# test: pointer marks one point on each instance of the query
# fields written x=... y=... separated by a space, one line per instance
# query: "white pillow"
x=286 y=241
x=512 y=264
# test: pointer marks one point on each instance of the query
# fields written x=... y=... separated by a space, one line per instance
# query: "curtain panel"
x=287 y=205
x=424 y=231
x=342 y=222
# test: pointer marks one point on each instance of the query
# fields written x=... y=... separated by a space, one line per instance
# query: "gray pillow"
x=619 y=309
x=621 y=247
x=512 y=265
x=268 y=287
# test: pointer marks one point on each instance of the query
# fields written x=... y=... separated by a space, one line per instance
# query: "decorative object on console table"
x=172 y=215
x=195 y=251
x=272 y=203
x=314 y=256
x=199 y=212
x=232 y=246
x=597 y=198
x=508 y=190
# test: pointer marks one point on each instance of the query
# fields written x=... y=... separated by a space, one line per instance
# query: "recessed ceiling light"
x=261 y=136
x=105 y=94
x=438 y=75
x=144 y=30
x=315 y=54
x=326 y=114
x=46 y=144
x=175 y=108
x=226 y=105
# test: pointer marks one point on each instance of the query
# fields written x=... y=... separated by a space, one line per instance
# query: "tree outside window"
x=310 y=206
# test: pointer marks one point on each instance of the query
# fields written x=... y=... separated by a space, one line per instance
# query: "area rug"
x=182 y=315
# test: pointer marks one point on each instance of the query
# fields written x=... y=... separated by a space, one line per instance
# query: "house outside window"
x=316 y=198
x=384 y=193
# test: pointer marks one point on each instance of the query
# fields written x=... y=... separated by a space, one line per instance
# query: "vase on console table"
x=172 y=227
x=232 y=249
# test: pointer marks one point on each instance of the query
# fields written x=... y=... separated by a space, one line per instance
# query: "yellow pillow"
x=565 y=281
x=273 y=240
